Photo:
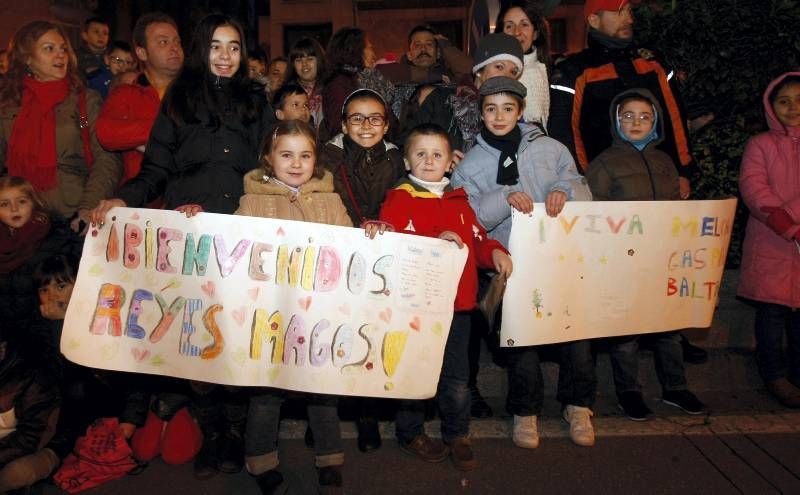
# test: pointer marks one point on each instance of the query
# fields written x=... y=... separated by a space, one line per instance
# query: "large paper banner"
x=252 y=301
x=614 y=268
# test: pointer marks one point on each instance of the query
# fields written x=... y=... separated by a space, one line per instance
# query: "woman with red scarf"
x=47 y=121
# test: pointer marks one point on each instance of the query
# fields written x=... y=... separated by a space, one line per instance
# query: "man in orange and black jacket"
x=583 y=86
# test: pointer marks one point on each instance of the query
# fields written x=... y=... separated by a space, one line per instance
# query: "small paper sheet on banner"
x=611 y=268
x=252 y=301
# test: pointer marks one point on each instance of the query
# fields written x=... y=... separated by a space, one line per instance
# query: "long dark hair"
x=346 y=48
x=194 y=90
x=307 y=47
x=20 y=49
x=542 y=41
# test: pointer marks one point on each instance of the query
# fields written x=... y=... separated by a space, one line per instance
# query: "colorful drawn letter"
x=256 y=271
x=366 y=332
x=320 y=351
x=381 y=269
x=342 y=345
x=168 y=315
x=106 y=317
x=214 y=349
x=329 y=269
x=295 y=341
x=356 y=273
x=165 y=236
x=196 y=257
x=186 y=348
x=227 y=262
x=267 y=329
x=133 y=329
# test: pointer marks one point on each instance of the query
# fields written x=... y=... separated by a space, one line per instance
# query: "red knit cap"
x=593 y=6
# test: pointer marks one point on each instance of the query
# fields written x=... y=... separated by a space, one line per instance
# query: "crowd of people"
x=439 y=144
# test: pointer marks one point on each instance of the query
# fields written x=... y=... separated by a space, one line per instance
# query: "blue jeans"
x=453 y=395
x=577 y=380
x=773 y=321
x=668 y=356
x=263 y=422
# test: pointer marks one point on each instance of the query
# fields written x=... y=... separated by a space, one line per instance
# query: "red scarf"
x=32 y=147
x=18 y=245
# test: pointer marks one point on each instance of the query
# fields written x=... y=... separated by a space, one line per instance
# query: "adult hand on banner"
x=452 y=237
x=520 y=201
x=554 y=202
x=97 y=216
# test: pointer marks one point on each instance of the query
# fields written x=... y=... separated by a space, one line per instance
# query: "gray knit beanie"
x=497 y=46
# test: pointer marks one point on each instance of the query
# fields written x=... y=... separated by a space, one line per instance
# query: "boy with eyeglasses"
x=632 y=169
x=118 y=60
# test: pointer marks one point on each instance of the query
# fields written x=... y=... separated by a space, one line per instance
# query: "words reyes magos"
x=309 y=269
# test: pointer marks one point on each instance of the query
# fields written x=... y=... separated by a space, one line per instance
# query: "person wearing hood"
x=583 y=85
x=769 y=182
x=512 y=166
x=634 y=169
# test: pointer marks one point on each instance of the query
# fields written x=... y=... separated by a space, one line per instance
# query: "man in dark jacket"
x=430 y=59
x=585 y=83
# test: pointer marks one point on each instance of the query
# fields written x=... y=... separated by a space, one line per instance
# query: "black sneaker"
x=684 y=400
x=330 y=480
x=270 y=483
x=369 y=436
x=478 y=406
x=691 y=353
x=632 y=404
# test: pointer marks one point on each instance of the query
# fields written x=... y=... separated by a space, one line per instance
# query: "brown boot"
x=426 y=448
x=462 y=455
x=786 y=393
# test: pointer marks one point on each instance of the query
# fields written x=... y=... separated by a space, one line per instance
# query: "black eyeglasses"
x=121 y=61
x=358 y=119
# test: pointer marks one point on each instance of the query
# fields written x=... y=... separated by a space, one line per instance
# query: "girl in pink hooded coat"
x=770 y=274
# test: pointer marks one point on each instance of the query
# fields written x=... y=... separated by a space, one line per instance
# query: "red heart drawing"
x=304 y=302
x=253 y=293
x=140 y=355
x=209 y=288
x=135 y=216
x=280 y=232
x=385 y=315
x=344 y=309
x=415 y=324
x=238 y=316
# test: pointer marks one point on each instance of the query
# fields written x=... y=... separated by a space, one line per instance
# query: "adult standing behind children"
x=131 y=109
x=634 y=169
x=351 y=66
x=522 y=20
x=510 y=167
x=770 y=185
x=47 y=125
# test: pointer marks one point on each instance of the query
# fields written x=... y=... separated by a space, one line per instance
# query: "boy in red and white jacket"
x=425 y=204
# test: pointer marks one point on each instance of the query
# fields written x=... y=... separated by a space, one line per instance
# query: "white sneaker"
x=580 y=425
x=526 y=432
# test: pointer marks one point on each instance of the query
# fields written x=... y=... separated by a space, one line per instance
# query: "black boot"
x=369 y=437
x=270 y=482
x=330 y=480
x=691 y=353
x=309 y=437
x=231 y=450
x=205 y=463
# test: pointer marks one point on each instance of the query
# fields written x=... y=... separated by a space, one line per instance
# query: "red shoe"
x=146 y=441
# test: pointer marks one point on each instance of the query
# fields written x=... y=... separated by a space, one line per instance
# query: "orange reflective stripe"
x=643 y=66
x=595 y=74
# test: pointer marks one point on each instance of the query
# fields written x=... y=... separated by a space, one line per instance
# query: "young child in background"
x=291 y=103
x=118 y=60
x=770 y=275
x=95 y=36
x=425 y=204
x=291 y=186
x=364 y=166
x=632 y=169
x=512 y=166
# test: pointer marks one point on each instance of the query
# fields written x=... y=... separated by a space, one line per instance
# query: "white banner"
x=251 y=301
x=614 y=268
